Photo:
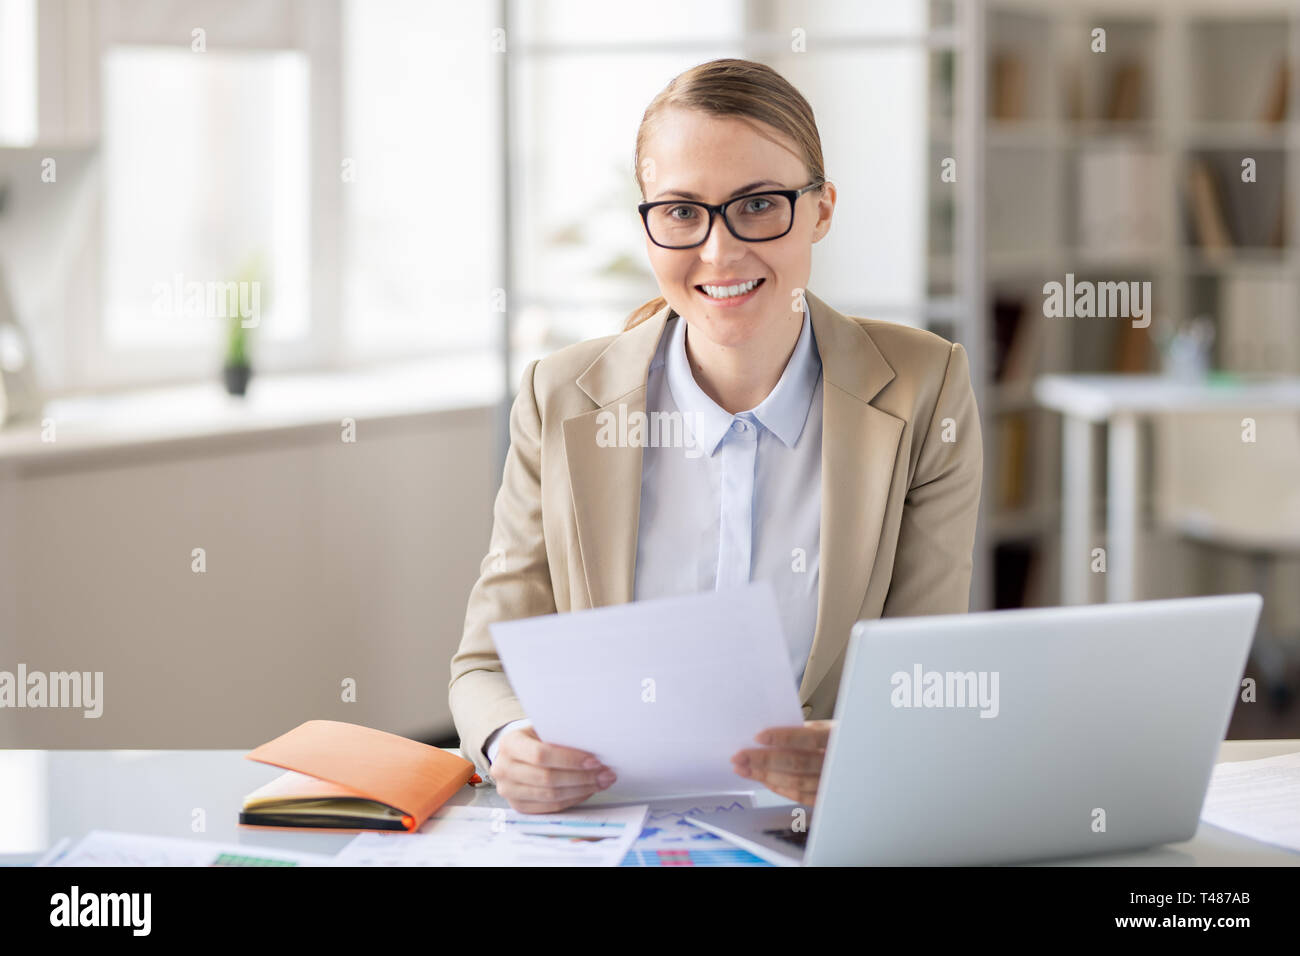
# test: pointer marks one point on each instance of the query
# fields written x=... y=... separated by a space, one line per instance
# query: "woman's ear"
x=825 y=210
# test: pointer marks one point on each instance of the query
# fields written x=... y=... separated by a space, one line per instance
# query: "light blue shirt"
x=738 y=499
x=745 y=503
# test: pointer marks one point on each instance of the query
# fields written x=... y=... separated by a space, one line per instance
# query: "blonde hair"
x=736 y=88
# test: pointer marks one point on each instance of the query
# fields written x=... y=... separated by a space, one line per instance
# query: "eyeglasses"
x=761 y=217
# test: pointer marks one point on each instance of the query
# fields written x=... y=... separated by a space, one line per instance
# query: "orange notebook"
x=347 y=777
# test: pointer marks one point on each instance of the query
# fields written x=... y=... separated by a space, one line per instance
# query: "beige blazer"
x=902 y=461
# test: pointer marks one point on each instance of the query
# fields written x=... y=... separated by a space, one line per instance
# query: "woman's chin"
x=724 y=331
x=727 y=331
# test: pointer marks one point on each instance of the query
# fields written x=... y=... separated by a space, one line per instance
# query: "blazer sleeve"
x=514 y=582
x=932 y=564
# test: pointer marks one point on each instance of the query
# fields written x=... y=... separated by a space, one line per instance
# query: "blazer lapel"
x=605 y=478
x=859 y=448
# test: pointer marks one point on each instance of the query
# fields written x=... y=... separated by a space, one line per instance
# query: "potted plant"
x=238 y=367
x=237 y=370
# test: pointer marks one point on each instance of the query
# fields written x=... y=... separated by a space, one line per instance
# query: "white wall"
x=324 y=560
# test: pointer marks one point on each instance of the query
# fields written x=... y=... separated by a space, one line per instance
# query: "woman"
x=839 y=458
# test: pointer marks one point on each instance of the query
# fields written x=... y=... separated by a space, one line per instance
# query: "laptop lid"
x=1028 y=734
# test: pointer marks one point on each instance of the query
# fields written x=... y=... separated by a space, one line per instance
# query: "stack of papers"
x=108 y=848
x=657 y=836
x=496 y=836
x=1259 y=799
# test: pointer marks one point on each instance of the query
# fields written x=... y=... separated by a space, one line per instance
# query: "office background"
x=427 y=195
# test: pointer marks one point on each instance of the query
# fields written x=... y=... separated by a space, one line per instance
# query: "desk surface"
x=70 y=792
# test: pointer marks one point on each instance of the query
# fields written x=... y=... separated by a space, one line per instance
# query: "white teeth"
x=727 y=291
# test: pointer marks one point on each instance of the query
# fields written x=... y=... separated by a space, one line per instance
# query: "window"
x=421 y=178
x=206 y=183
x=17 y=72
x=352 y=164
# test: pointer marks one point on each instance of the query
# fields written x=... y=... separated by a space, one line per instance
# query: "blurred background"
x=270 y=272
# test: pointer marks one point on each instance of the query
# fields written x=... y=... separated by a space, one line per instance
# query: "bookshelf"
x=1125 y=165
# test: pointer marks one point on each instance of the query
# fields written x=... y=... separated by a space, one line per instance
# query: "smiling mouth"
x=731 y=292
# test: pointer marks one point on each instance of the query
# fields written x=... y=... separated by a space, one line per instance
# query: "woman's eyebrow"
x=739 y=192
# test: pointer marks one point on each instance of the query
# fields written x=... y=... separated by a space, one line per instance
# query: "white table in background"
x=1120 y=402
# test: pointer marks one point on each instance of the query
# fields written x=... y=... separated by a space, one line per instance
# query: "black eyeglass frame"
x=792 y=195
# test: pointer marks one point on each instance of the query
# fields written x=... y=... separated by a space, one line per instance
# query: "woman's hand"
x=791 y=763
x=537 y=777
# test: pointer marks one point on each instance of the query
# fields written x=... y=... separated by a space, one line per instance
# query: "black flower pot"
x=237 y=377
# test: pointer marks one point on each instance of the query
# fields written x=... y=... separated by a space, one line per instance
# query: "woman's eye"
x=682 y=209
x=750 y=206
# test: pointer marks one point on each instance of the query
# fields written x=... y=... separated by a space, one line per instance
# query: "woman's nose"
x=720 y=243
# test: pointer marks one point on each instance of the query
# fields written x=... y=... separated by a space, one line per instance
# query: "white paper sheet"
x=109 y=848
x=1257 y=798
x=662 y=691
x=496 y=836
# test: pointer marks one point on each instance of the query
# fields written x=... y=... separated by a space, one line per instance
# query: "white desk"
x=157 y=791
x=1120 y=401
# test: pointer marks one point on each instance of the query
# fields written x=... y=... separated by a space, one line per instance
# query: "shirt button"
x=737 y=426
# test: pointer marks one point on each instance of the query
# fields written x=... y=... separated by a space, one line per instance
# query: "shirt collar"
x=783 y=412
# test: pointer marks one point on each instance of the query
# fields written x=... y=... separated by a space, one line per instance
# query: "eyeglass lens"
x=763 y=216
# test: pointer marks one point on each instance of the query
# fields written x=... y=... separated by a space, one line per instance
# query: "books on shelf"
x=1115 y=168
x=1125 y=103
x=1015 y=573
x=1227 y=215
x=1072 y=85
x=1016 y=340
x=1118 y=199
x=1008 y=94
x=1013 y=461
x=1208 y=222
x=1277 y=238
x=1259 y=330
x=1133 y=349
x=1275 y=103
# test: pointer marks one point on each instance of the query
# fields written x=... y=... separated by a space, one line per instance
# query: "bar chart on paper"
x=668 y=840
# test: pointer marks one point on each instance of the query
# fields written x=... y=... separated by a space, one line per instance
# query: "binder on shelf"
x=1125 y=102
x=1275 y=103
x=1211 y=227
x=1008 y=99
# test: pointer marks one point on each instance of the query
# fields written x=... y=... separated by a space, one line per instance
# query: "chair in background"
x=1239 y=497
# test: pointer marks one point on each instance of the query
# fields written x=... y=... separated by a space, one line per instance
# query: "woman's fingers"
x=557 y=798
x=798 y=761
x=543 y=776
x=799 y=787
x=791 y=765
x=804 y=793
x=539 y=777
x=812 y=735
x=524 y=745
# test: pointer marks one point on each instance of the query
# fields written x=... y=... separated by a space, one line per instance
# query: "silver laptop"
x=1005 y=736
